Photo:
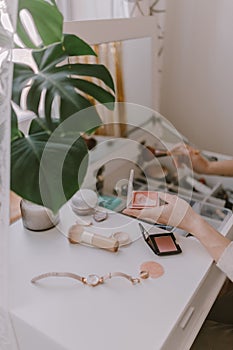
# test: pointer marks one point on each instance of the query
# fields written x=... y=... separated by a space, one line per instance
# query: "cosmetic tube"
x=78 y=235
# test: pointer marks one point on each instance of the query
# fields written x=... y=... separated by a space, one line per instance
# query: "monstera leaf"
x=47 y=20
x=45 y=170
x=55 y=79
x=49 y=164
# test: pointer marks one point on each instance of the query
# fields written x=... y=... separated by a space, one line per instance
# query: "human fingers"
x=153 y=214
x=167 y=197
x=184 y=149
x=180 y=155
x=180 y=149
x=194 y=151
x=177 y=210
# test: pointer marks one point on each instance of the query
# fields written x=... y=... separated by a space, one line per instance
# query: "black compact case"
x=161 y=243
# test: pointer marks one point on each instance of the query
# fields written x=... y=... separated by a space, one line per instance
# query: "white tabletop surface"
x=115 y=315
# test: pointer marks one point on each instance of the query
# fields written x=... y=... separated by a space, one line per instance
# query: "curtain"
x=100 y=9
x=8 y=12
x=93 y=9
x=110 y=55
x=65 y=7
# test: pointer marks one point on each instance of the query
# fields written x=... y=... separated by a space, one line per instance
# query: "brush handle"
x=149 y=153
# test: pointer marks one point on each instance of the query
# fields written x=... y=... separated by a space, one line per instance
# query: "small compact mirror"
x=163 y=243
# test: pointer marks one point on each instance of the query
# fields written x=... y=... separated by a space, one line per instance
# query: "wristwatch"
x=91 y=280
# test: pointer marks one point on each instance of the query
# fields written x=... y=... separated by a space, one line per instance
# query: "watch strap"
x=58 y=274
x=110 y=275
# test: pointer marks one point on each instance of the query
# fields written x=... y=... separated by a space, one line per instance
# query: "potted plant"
x=55 y=90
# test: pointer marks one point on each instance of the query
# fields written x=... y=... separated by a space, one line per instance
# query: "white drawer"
x=194 y=315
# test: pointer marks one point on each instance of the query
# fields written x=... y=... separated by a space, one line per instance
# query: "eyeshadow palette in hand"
x=140 y=199
x=144 y=199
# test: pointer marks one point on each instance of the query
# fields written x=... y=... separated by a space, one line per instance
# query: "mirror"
x=130 y=64
x=125 y=60
x=129 y=49
x=131 y=40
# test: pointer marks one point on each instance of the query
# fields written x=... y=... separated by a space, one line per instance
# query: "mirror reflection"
x=125 y=60
x=133 y=134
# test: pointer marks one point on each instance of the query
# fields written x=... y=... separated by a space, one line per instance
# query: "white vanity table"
x=63 y=314
x=164 y=313
x=157 y=314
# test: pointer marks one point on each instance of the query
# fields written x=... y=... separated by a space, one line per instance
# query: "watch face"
x=92 y=280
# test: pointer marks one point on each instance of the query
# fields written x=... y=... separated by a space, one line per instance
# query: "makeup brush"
x=149 y=153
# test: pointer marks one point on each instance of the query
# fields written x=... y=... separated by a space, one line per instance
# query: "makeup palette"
x=144 y=199
x=161 y=243
x=140 y=199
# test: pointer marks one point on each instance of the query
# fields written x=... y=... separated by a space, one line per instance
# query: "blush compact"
x=161 y=243
x=144 y=199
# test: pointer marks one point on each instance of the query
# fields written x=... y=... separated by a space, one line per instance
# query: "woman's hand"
x=176 y=212
x=193 y=157
x=199 y=163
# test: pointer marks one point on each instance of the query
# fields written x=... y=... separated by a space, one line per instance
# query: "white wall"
x=97 y=9
x=137 y=70
x=197 y=87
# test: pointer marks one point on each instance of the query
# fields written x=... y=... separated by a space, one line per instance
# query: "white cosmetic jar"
x=84 y=202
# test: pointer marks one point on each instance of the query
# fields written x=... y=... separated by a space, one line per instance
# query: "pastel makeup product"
x=122 y=237
x=84 y=202
x=153 y=268
x=144 y=199
x=130 y=188
x=86 y=222
x=100 y=215
x=78 y=235
x=140 y=199
x=161 y=243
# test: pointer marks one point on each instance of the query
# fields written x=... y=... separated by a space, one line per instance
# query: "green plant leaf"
x=74 y=45
x=47 y=18
x=98 y=71
x=49 y=164
x=70 y=46
x=95 y=91
x=21 y=78
x=63 y=82
x=38 y=124
x=42 y=185
x=15 y=132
